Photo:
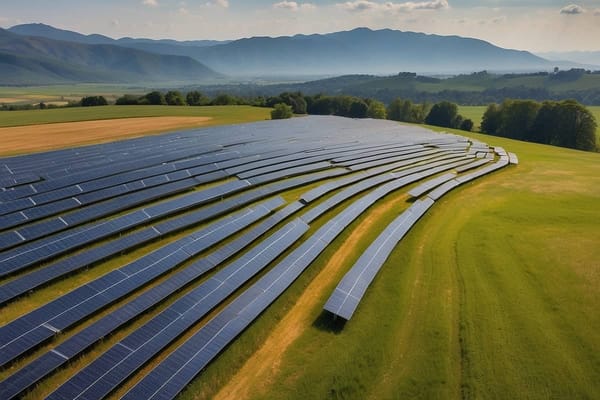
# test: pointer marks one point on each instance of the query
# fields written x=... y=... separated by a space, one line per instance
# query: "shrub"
x=281 y=111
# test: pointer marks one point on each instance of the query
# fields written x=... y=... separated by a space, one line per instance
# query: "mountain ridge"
x=357 y=51
x=66 y=61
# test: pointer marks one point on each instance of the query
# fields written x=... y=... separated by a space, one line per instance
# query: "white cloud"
x=150 y=3
x=366 y=5
x=222 y=3
x=359 y=5
x=294 y=6
x=572 y=9
x=183 y=11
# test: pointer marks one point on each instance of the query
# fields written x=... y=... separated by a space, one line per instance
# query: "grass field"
x=52 y=93
x=494 y=294
x=220 y=115
x=498 y=299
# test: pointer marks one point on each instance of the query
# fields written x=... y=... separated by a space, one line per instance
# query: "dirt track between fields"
x=32 y=138
x=260 y=371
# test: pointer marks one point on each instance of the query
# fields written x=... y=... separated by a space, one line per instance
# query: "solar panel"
x=94 y=382
x=349 y=292
x=103 y=176
x=116 y=284
x=261 y=179
x=430 y=184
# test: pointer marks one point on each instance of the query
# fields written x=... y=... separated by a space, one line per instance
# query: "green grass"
x=493 y=294
x=221 y=114
x=58 y=93
x=495 y=300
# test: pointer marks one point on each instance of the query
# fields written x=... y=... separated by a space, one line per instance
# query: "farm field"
x=64 y=93
x=26 y=131
x=220 y=115
x=490 y=300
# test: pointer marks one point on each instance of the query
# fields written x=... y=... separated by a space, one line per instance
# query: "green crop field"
x=494 y=294
x=220 y=114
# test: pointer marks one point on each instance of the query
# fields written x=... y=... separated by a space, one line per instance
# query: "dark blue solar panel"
x=166 y=326
x=260 y=179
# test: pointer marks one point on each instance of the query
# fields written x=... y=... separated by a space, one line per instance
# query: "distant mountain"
x=589 y=59
x=164 y=46
x=50 y=32
x=363 y=50
x=36 y=60
x=360 y=50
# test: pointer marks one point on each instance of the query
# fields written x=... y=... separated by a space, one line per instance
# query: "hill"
x=188 y=48
x=361 y=50
x=364 y=50
x=479 y=88
x=38 y=60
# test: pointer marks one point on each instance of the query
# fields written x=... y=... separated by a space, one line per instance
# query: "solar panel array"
x=175 y=226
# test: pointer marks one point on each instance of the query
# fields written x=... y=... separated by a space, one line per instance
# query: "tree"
x=92 y=101
x=321 y=105
x=490 y=122
x=295 y=100
x=376 y=110
x=517 y=118
x=442 y=114
x=401 y=110
x=575 y=127
x=153 y=98
x=174 y=98
x=358 y=109
x=544 y=128
x=196 y=98
x=466 y=125
x=281 y=111
x=128 y=100
x=224 y=100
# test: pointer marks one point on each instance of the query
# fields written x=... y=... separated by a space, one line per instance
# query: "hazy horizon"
x=532 y=25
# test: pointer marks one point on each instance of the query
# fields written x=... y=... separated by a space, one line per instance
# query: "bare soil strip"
x=31 y=138
x=260 y=371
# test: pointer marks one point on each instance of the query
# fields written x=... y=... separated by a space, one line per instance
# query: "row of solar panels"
x=165 y=255
x=27 y=254
x=349 y=292
x=238 y=314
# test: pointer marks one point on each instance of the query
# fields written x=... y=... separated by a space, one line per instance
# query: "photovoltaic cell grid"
x=55 y=205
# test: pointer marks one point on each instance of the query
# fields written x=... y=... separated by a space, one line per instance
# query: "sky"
x=533 y=25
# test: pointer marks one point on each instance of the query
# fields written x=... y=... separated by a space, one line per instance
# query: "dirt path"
x=261 y=369
x=25 y=139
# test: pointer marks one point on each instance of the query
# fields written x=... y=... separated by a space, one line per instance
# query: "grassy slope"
x=498 y=299
x=495 y=300
x=221 y=114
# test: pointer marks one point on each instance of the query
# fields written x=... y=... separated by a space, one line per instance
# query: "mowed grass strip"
x=493 y=294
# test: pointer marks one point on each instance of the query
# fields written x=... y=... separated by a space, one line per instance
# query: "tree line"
x=564 y=123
